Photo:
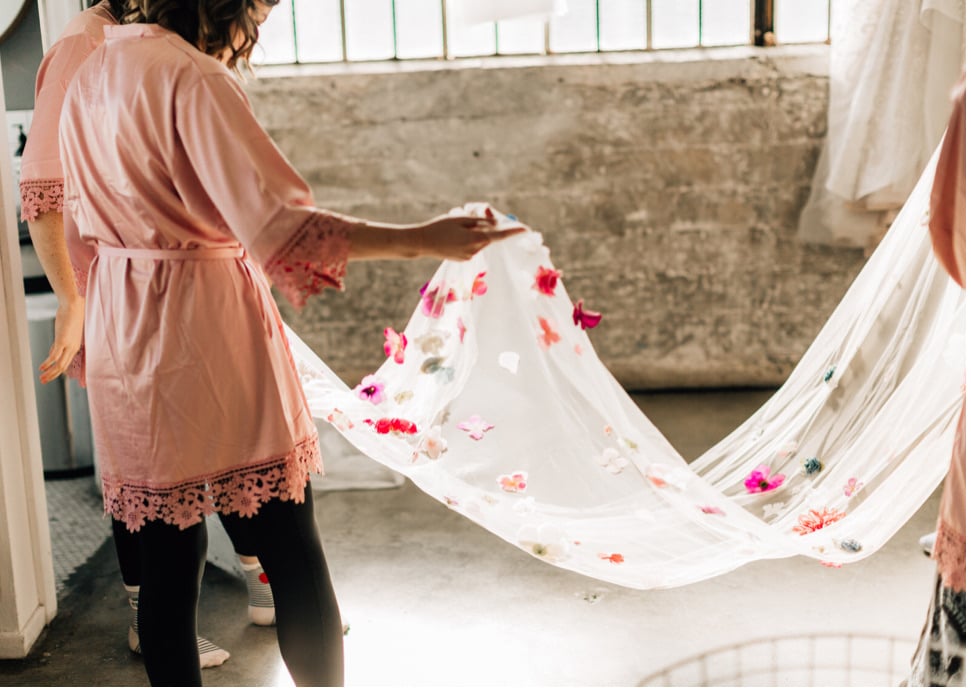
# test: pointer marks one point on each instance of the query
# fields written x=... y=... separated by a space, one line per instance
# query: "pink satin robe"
x=195 y=402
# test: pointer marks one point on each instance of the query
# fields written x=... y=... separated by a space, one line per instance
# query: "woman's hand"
x=459 y=237
x=68 y=330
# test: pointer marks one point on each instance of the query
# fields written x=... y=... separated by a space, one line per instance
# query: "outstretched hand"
x=68 y=330
x=459 y=237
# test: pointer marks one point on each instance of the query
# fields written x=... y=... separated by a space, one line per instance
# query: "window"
x=361 y=30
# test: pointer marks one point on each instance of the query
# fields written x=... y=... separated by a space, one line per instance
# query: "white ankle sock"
x=210 y=654
x=261 y=609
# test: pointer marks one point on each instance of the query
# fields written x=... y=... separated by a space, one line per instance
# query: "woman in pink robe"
x=940 y=656
x=196 y=405
x=65 y=259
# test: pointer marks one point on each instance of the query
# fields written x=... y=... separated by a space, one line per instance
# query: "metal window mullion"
x=444 y=30
x=701 y=10
x=293 y=22
x=343 y=32
x=596 y=8
x=764 y=16
x=394 y=30
x=495 y=27
x=546 y=37
x=650 y=26
x=829 y=21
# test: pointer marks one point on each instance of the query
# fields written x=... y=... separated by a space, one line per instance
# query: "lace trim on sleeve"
x=314 y=259
x=75 y=369
x=39 y=196
x=950 y=553
x=241 y=491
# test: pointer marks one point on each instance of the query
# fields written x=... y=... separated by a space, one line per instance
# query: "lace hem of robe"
x=950 y=553
x=39 y=196
x=241 y=490
x=314 y=259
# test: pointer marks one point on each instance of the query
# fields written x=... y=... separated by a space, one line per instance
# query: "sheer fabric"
x=892 y=65
x=494 y=402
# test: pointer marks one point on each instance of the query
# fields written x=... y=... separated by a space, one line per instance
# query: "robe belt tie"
x=201 y=253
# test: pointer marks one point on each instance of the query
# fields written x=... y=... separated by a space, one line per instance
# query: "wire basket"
x=830 y=659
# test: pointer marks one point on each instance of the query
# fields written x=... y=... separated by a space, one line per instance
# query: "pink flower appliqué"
x=371 y=389
x=852 y=487
x=545 y=281
x=816 y=519
x=462 y=330
x=759 y=480
x=584 y=318
x=713 y=510
x=614 y=558
x=476 y=427
x=339 y=420
x=394 y=344
x=514 y=482
x=433 y=444
x=549 y=335
x=479 y=286
x=432 y=304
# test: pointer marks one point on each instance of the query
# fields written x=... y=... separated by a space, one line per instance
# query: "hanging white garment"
x=501 y=409
x=892 y=65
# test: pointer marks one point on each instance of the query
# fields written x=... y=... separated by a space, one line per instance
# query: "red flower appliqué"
x=545 y=281
x=816 y=519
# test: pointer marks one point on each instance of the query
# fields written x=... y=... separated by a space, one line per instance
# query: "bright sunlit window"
x=301 y=31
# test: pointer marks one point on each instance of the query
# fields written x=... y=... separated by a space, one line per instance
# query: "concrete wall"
x=668 y=187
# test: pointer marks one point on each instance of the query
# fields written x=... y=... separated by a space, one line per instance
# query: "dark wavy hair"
x=117 y=7
x=210 y=25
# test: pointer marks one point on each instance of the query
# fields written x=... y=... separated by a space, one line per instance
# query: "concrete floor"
x=434 y=600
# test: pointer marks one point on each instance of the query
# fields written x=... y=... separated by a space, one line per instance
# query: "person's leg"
x=260 y=609
x=308 y=620
x=126 y=547
x=172 y=562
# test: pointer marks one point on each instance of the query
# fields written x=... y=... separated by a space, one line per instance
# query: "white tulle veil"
x=501 y=409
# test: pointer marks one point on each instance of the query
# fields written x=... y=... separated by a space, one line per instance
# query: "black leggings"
x=284 y=536
x=126 y=547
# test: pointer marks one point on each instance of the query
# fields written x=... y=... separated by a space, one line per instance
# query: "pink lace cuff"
x=39 y=196
x=949 y=550
x=75 y=369
x=242 y=491
x=314 y=259
x=80 y=280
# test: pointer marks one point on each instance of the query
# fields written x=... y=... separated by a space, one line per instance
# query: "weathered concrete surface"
x=668 y=187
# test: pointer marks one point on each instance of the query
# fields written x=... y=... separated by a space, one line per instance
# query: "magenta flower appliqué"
x=394 y=344
x=545 y=281
x=371 y=389
x=476 y=427
x=760 y=480
x=584 y=318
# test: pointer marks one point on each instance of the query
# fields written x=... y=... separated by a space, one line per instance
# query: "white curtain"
x=892 y=65
x=500 y=409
